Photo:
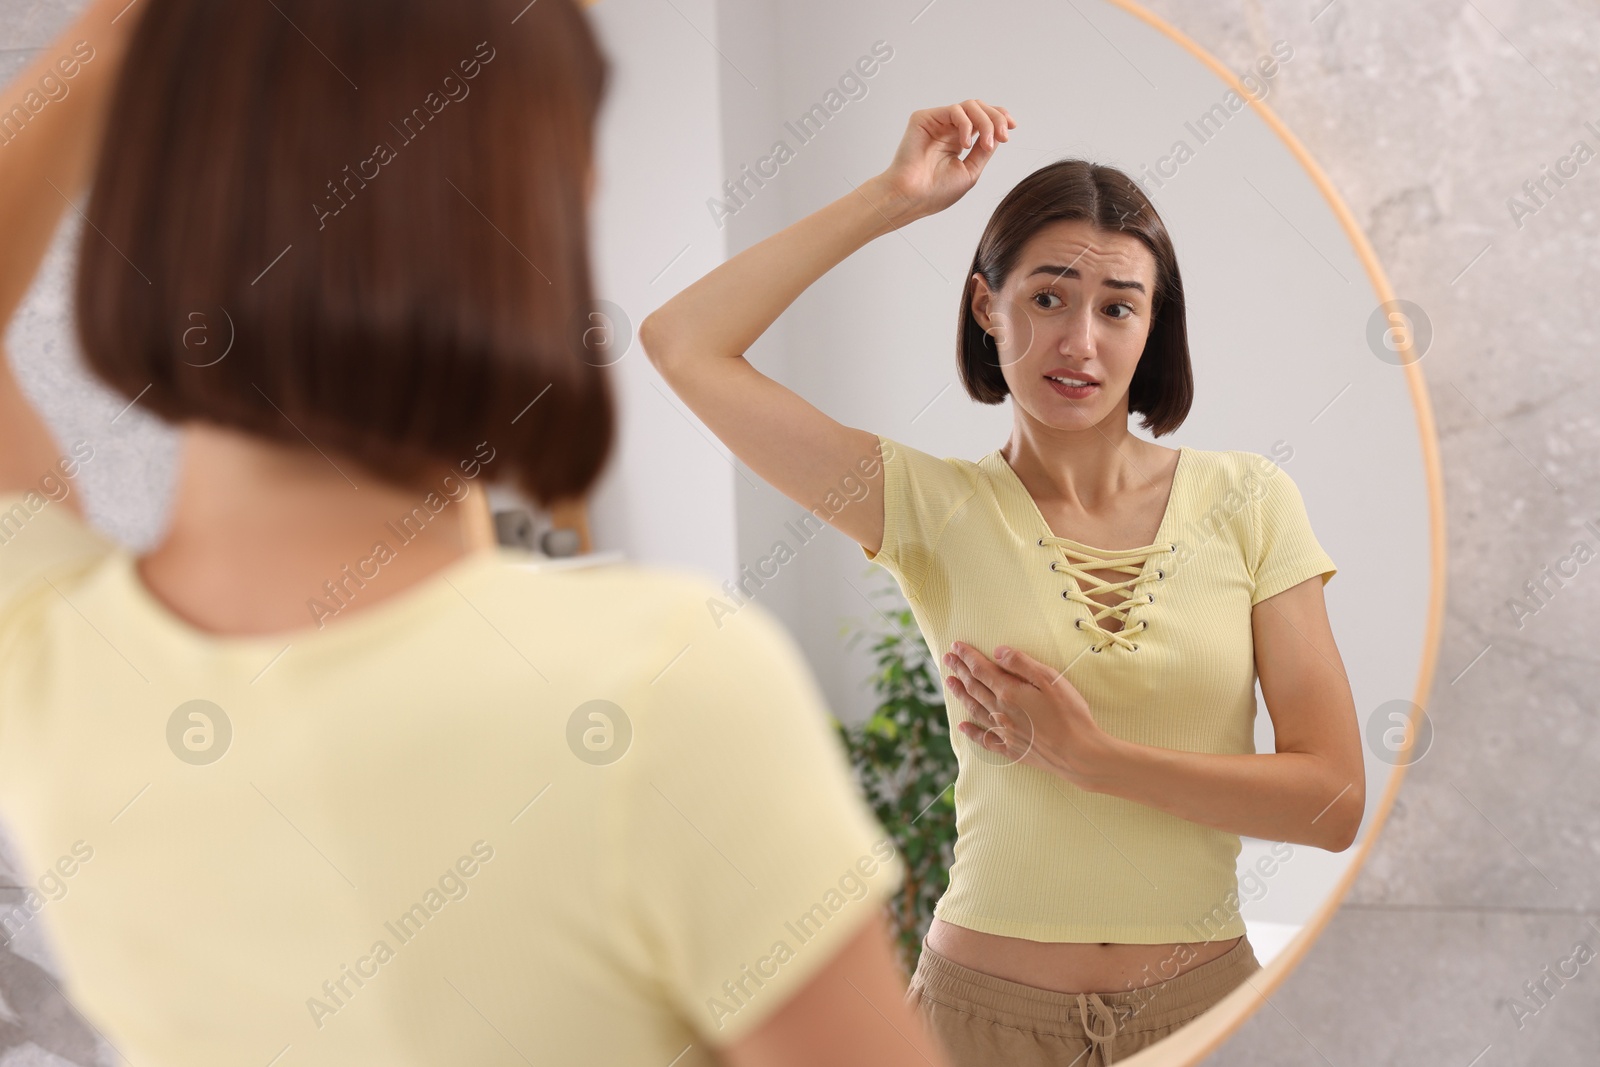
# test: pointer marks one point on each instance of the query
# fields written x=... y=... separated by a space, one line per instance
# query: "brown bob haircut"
x=378 y=211
x=1163 y=385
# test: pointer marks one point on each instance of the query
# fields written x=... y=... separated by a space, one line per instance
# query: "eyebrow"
x=1072 y=272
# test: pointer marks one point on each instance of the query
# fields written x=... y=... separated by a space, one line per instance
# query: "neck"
x=1084 y=467
x=258 y=529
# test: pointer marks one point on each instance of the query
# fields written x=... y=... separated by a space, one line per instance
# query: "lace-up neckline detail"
x=1133 y=562
x=1076 y=559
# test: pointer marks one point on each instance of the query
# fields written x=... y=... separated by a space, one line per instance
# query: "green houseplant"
x=906 y=768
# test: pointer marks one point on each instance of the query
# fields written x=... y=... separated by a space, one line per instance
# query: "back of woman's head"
x=377 y=211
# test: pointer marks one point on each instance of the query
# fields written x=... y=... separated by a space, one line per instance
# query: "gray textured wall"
x=1428 y=117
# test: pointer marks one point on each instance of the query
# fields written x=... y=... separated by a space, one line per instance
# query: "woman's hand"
x=1029 y=713
x=927 y=173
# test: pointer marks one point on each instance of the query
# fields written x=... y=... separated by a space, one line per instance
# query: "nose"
x=1077 y=337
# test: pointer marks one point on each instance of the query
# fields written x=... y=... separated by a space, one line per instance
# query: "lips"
x=1073 y=392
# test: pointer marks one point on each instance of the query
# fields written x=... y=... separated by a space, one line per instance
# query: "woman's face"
x=1075 y=307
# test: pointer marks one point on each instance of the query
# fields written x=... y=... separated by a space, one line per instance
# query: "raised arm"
x=697 y=340
x=50 y=120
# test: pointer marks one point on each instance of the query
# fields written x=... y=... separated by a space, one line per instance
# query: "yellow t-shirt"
x=418 y=845
x=1036 y=857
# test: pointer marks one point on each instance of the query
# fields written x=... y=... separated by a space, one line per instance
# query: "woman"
x=1129 y=593
x=324 y=778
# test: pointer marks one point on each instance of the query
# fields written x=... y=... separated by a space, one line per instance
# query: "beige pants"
x=984 y=1021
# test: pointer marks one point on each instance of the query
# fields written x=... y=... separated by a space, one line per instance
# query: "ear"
x=982 y=300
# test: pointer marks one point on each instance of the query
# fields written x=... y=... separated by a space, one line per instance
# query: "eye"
x=1129 y=315
x=1045 y=293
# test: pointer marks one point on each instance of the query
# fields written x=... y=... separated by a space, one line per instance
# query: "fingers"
x=987 y=714
x=979 y=666
x=965 y=683
x=990 y=123
x=1010 y=663
x=1025 y=667
x=983 y=120
x=994 y=732
x=986 y=721
x=993 y=123
x=956 y=115
x=992 y=128
x=991 y=739
x=982 y=724
x=983 y=727
x=997 y=724
x=981 y=717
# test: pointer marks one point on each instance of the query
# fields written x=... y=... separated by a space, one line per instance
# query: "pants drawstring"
x=1099 y=1040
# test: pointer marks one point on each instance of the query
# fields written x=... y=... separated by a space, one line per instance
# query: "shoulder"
x=929 y=487
x=1235 y=466
x=707 y=675
x=1254 y=496
x=646 y=613
x=1234 y=477
x=1224 y=493
x=630 y=594
x=921 y=492
x=950 y=469
x=40 y=537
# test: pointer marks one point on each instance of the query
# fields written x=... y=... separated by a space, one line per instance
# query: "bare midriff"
x=1071 y=966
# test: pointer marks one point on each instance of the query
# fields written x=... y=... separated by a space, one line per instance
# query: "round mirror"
x=1301 y=351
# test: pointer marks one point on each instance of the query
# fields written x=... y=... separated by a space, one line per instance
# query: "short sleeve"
x=39 y=533
x=1286 y=552
x=749 y=857
x=920 y=494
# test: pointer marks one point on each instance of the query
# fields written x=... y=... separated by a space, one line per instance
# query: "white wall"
x=668 y=494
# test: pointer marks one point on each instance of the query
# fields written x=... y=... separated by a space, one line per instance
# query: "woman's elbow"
x=1351 y=809
x=653 y=338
